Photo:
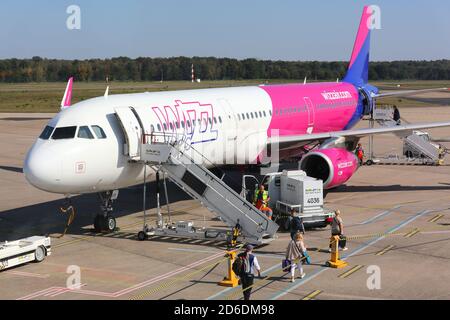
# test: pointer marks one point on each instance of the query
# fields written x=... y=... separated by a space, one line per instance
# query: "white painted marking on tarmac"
x=385 y=213
x=361 y=248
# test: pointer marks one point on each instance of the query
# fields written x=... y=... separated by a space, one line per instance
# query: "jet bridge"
x=175 y=157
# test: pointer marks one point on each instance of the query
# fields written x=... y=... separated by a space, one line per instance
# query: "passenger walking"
x=295 y=253
x=396 y=116
x=249 y=266
x=337 y=229
x=296 y=224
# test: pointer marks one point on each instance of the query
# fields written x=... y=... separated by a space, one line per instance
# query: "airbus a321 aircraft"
x=85 y=148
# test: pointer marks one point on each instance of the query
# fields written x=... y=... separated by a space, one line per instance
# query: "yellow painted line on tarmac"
x=436 y=218
x=379 y=253
x=350 y=272
x=412 y=233
x=312 y=295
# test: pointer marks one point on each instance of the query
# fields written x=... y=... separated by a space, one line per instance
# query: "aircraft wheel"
x=142 y=236
x=110 y=224
x=39 y=254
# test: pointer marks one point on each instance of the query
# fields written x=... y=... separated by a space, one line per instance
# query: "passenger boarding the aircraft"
x=261 y=201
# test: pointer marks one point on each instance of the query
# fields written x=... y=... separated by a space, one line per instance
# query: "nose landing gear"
x=105 y=220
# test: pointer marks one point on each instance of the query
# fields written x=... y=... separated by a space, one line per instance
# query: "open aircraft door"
x=132 y=128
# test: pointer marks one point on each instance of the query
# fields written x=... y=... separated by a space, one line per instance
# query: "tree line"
x=39 y=69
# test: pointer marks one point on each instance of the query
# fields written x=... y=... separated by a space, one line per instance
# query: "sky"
x=321 y=30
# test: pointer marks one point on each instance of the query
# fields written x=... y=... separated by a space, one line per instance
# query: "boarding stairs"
x=187 y=168
x=415 y=144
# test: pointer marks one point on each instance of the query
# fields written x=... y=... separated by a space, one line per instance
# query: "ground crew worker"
x=360 y=154
x=295 y=252
x=396 y=116
x=337 y=229
x=261 y=200
x=248 y=275
x=296 y=225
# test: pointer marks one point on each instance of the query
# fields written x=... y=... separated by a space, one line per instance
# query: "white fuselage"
x=79 y=165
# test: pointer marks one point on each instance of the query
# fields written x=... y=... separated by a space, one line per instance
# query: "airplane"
x=92 y=146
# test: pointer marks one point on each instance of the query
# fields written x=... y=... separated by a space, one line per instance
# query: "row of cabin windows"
x=253 y=115
x=290 y=110
x=84 y=132
x=186 y=124
x=242 y=116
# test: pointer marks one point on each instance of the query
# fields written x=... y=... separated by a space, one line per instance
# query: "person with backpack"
x=244 y=267
x=295 y=254
x=295 y=225
x=337 y=229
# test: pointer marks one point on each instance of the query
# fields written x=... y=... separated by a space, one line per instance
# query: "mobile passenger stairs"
x=418 y=148
x=187 y=168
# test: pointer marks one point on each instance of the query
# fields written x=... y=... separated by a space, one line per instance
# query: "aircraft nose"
x=42 y=168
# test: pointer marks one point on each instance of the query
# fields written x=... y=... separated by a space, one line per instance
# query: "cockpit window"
x=46 y=133
x=99 y=132
x=64 y=133
x=85 y=133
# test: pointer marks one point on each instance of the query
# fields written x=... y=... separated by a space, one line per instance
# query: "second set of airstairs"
x=417 y=146
x=188 y=169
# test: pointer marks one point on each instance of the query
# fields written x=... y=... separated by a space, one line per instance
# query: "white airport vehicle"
x=291 y=189
x=14 y=253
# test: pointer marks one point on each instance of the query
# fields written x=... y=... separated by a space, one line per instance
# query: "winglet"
x=106 y=92
x=65 y=102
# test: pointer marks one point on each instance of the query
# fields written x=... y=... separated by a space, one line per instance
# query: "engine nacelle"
x=334 y=166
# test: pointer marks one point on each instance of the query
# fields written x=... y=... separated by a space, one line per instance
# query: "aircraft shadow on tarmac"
x=45 y=218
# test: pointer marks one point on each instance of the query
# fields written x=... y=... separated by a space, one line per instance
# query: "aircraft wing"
x=403 y=93
x=402 y=130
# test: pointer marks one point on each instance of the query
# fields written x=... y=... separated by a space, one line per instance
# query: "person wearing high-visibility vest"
x=360 y=154
x=261 y=200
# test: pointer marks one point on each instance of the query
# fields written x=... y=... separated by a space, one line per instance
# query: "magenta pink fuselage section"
x=310 y=108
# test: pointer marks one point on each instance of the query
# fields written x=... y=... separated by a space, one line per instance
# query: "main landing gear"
x=105 y=221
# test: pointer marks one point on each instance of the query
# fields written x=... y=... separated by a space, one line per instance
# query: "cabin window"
x=159 y=127
x=260 y=114
x=270 y=112
x=220 y=119
x=64 y=133
x=85 y=133
x=264 y=113
x=165 y=127
x=182 y=124
x=215 y=120
x=46 y=133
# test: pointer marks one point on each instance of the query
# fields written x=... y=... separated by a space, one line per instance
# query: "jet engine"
x=333 y=166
